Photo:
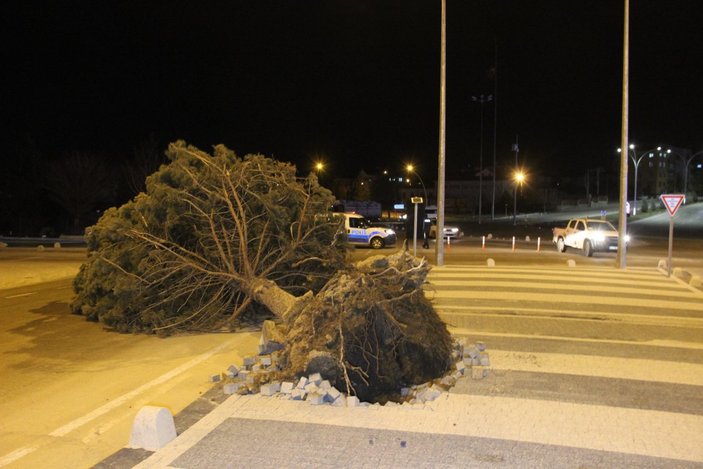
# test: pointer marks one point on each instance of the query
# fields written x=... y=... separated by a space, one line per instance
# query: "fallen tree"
x=216 y=237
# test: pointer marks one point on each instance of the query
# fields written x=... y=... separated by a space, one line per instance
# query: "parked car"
x=587 y=234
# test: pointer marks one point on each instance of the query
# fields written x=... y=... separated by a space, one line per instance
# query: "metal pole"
x=480 y=168
x=671 y=244
x=415 y=232
x=621 y=260
x=517 y=150
x=439 y=247
x=495 y=126
x=634 y=202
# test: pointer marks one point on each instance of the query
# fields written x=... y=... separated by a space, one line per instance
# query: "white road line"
x=651 y=343
x=21 y=295
x=69 y=427
x=16 y=454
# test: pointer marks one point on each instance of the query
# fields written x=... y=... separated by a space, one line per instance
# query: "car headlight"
x=627 y=238
x=599 y=237
x=390 y=232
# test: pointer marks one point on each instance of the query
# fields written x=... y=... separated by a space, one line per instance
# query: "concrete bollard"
x=662 y=264
x=483 y=242
x=490 y=262
x=513 y=243
x=571 y=263
x=153 y=428
x=539 y=241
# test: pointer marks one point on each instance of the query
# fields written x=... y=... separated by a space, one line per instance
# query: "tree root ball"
x=371 y=331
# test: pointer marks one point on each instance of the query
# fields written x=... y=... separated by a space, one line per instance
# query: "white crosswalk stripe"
x=598 y=337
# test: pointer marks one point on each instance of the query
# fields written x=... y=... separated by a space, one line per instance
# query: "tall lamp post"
x=481 y=99
x=636 y=162
x=686 y=162
x=425 y=244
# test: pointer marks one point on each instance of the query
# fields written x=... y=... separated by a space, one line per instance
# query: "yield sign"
x=672 y=202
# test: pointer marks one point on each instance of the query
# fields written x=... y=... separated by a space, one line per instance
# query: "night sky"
x=355 y=82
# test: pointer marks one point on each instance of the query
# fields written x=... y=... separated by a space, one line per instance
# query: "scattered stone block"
x=271 y=338
x=325 y=384
x=448 y=381
x=480 y=346
x=231 y=388
x=471 y=352
x=249 y=362
x=311 y=387
x=315 y=378
x=302 y=382
x=269 y=389
x=152 y=429
x=244 y=374
x=484 y=360
x=405 y=392
x=460 y=366
x=458 y=374
x=479 y=372
x=256 y=368
x=215 y=378
x=287 y=387
x=332 y=394
x=315 y=398
x=266 y=360
x=352 y=401
x=232 y=371
x=298 y=394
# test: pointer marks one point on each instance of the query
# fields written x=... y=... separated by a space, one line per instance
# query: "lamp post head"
x=319 y=166
x=632 y=146
x=409 y=168
x=519 y=177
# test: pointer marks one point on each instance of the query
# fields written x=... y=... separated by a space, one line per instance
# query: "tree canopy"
x=186 y=254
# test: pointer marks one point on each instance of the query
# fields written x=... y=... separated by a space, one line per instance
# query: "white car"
x=360 y=232
x=450 y=231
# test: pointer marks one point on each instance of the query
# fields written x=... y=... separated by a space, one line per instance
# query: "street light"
x=636 y=161
x=411 y=169
x=481 y=99
x=685 y=168
x=519 y=177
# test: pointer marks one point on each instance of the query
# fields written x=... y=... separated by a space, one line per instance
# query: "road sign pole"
x=671 y=244
x=415 y=232
x=672 y=202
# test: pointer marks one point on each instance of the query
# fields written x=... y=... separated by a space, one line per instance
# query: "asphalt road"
x=70 y=390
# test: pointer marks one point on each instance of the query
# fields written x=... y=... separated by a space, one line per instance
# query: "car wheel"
x=587 y=249
x=561 y=247
x=377 y=243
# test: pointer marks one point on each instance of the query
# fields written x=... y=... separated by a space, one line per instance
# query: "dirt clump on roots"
x=370 y=331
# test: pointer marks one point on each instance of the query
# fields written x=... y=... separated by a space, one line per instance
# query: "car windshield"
x=600 y=225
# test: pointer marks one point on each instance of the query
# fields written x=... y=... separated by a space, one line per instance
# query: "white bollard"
x=513 y=243
x=539 y=240
x=152 y=429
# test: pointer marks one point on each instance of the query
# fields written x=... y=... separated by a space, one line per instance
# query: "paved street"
x=591 y=367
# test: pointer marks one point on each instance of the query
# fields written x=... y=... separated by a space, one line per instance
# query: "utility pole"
x=621 y=259
x=495 y=127
x=439 y=238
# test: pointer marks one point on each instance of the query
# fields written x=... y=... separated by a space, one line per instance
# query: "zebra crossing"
x=617 y=350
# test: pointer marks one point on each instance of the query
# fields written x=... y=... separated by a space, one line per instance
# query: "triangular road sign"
x=672 y=202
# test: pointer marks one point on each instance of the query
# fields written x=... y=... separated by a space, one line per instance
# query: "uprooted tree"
x=217 y=237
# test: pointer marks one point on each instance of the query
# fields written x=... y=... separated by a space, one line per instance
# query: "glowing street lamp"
x=636 y=161
x=519 y=178
x=319 y=166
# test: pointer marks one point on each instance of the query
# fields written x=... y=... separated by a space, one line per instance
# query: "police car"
x=362 y=233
